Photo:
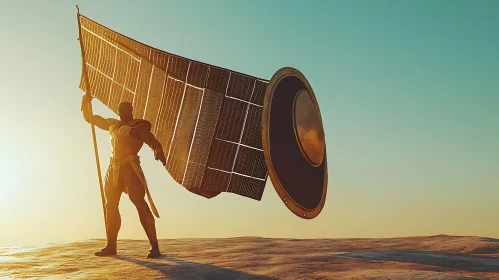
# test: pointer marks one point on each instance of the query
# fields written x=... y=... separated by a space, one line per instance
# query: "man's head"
x=125 y=111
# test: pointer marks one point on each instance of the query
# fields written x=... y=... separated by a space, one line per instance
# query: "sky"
x=408 y=90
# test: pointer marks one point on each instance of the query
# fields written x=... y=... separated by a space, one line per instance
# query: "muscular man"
x=125 y=174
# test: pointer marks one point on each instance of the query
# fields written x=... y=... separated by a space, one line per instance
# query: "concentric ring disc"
x=294 y=143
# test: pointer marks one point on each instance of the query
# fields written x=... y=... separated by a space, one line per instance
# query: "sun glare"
x=8 y=180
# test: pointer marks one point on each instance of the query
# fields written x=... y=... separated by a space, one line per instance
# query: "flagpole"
x=87 y=91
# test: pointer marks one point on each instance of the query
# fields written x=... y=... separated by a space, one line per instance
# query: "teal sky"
x=409 y=94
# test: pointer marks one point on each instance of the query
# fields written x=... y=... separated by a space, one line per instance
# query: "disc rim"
x=292 y=205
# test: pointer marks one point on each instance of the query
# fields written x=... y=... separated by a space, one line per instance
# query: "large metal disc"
x=294 y=143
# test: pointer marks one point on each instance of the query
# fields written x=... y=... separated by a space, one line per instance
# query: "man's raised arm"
x=97 y=120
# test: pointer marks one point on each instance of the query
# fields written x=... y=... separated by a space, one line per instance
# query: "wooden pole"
x=87 y=91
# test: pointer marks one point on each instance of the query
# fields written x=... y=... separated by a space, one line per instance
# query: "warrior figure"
x=125 y=174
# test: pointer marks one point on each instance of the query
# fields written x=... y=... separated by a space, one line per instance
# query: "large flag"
x=206 y=118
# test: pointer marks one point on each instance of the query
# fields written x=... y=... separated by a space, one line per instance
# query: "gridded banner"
x=206 y=118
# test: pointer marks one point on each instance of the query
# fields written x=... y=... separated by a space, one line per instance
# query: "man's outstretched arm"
x=97 y=120
x=148 y=138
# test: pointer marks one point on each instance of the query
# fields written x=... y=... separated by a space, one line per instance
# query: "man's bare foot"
x=106 y=251
x=154 y=252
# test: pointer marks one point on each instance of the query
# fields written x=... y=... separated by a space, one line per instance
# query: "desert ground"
x=433 y=257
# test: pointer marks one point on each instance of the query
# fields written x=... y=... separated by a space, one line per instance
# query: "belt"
x=118 y=161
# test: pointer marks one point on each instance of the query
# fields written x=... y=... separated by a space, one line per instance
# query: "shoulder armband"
x=112 y=123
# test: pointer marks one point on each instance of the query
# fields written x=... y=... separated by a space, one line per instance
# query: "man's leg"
x=136 y=192
x=113 y=218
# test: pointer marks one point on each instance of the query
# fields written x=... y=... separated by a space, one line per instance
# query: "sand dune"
x=435 y=257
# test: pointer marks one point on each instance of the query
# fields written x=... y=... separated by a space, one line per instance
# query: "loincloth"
x=134 y=161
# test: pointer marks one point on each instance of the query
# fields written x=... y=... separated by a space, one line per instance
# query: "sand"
x=434 y=257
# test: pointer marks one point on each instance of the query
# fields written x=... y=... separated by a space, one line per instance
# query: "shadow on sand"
x=179 y=269
x=488 y=239
x=453 y=261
